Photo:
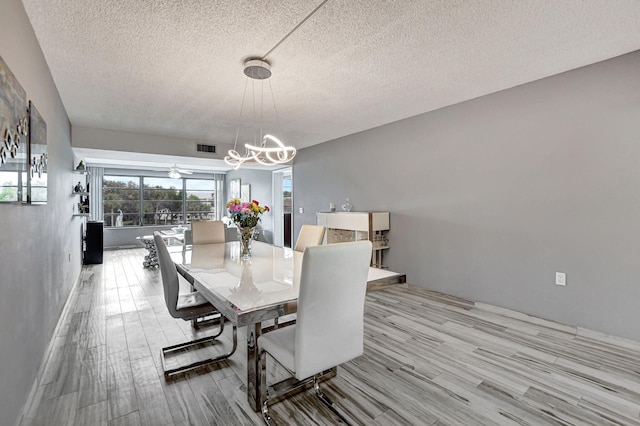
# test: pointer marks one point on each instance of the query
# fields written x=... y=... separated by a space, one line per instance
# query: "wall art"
x=234 y=188
x=245 y=192
x=14 y=129
x=37 y=177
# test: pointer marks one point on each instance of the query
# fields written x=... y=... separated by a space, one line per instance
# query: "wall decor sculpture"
x=37 y=178
x=13 y=133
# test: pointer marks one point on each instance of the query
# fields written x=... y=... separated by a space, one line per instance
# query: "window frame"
x=217 y=181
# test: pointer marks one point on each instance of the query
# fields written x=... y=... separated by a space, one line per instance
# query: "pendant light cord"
x=244 y=95
x=274 y=48
x=273 y=98
x=295 y=28
x=255 y=119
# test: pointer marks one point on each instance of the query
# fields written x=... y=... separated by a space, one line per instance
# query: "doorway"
x=283 y=207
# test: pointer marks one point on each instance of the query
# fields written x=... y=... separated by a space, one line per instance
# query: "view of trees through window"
x=200 y=202
x=140 y=201
x=163 y=201
x=121 y=198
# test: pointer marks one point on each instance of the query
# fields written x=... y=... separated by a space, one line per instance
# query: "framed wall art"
x=245 y=192
x=37 y=176
x=14 y=129
x=234 y=188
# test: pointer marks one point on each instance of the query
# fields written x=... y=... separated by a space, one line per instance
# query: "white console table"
x=356 y=226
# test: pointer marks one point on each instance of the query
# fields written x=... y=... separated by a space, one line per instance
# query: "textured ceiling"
x=175 y=67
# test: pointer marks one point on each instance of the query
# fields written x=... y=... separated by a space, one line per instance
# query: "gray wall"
x=260 y=181
x=35 y=241
x=126 y=237
x=115 y=238
x=489 y=198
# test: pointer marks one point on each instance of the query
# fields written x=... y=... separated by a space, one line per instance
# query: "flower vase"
x=245 y=234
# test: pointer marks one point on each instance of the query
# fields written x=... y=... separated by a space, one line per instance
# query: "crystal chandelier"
x=270 y=151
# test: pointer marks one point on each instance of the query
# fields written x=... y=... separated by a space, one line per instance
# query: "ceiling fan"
x=176 y=173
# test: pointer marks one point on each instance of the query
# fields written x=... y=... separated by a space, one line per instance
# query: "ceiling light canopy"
x=270 y=151
x=257 y=69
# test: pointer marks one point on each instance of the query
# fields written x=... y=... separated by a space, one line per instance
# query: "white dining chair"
x=187 y=306
x=187 y=239
x=207 y=232
x=330 y=322
x=203 y=232
x=310 y=235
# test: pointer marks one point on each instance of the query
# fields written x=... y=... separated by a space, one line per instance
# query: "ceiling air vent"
x=200 y=147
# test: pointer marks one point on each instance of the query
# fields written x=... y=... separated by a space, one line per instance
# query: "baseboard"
x=47 y=355
x=385 y=279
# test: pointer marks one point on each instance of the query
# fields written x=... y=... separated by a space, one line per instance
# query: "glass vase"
x=245 y=235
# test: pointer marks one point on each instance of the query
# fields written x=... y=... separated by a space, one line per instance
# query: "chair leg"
x=196 y=323
x=262 y=365
x=265 y=415
x=276 y=392
x=316 y=387
x=327 y=401
x=194 y=365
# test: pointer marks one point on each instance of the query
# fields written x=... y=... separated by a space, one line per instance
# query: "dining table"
x=253 y=291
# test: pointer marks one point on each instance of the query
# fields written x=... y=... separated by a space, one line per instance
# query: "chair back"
x=310 y=235
x=207 y=232
x=188 y=238
x=330 y=323
x=170 y=281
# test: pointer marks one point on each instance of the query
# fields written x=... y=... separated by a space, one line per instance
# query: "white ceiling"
x=175 y=67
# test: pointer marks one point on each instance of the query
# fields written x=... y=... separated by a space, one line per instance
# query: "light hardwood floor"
x=430 y=359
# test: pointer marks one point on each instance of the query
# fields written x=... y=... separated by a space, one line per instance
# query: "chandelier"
x=269 y=150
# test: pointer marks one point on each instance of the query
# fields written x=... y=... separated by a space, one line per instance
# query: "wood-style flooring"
x=430 y=359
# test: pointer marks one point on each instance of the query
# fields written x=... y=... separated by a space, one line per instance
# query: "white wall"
x=36 y=274
x=118 y=140
x=489 y=198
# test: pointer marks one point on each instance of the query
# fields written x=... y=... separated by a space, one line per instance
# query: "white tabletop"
x=249 y=291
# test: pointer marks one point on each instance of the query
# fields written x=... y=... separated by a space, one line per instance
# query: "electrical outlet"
x=561 y=278
x=301 y=210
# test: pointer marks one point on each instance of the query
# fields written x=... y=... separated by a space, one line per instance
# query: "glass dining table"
x=251 y=291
